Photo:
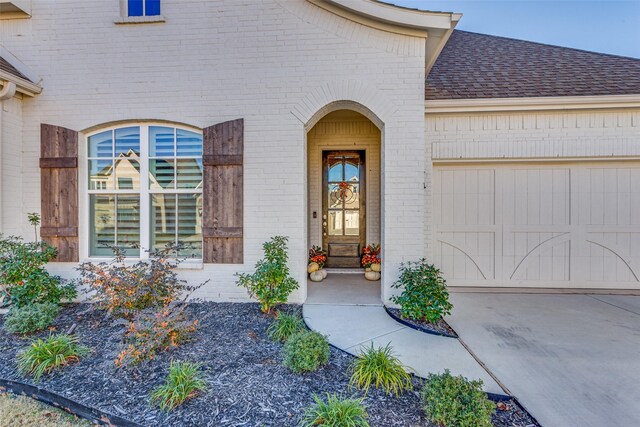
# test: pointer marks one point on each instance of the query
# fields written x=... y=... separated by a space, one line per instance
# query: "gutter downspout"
x=7 y=92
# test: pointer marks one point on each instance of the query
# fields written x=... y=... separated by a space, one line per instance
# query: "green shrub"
x=335 y=412
x=306 y=351
x=424 y=292
x=23 y=275
x=31 y=318
x=381 y=369
x=455 y=401
x=44 y=355
x=183 y=382
x=270 y=284
x=285 y=325
x=124 y=290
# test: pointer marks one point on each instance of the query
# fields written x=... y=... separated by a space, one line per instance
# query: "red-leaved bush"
x=147 y=293
x=154 y=331
x=123 y=290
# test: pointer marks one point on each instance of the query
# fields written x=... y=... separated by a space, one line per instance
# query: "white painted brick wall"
x=11 y=218
x=534 y=135
x=274 y=63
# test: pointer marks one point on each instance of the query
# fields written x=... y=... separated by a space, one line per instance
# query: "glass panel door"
x=343 y=216
x=344 y=195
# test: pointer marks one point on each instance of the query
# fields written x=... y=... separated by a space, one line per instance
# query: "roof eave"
x=435 y=27
x=396 y=15
x=543 y=103
x=22 y=86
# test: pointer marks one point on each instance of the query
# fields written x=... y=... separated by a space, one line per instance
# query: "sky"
x=609 y=26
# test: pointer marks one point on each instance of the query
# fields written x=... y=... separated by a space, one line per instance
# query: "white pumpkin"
x=324 y=273
x=316 y=276
x=372 y=275
x=375 y=267
x=313 y=266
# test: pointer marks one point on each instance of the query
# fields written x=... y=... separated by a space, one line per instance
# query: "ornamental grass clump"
x=455 y=401
x=271 y=283
x=183 y=382
x=424 y=294
x=31 y=318
x=306 y=352
x=379 y=367
x=285 y=325
x=44 y=355
x=335 y=412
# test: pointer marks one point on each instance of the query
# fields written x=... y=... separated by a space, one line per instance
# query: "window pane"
x=335 y=196
x=161 y=140
x=351 y=172
x=163 y=220
x=135 y=7
x=127 y=174
x=335 y=171
x=189 y=173
x=102 y=228
x=101 y=144
x=161 y=174
x=352 y=223
x=101 y=175
x=188 y=143
x=128 y=142
x=352 y=196
x=152 y=7
x=335 y=223
x=190 y=224
x=128 y=224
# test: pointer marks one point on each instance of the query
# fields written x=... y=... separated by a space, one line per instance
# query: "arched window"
x=145 y=189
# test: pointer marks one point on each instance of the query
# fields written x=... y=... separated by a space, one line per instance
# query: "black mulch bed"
x=439 y=328
x=248 y=386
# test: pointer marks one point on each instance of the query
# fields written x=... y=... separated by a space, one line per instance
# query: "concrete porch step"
x=345 y=270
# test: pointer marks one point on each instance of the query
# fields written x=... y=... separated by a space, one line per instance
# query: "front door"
x=343 y=207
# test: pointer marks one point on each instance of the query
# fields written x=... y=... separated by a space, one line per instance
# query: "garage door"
x=572 y=225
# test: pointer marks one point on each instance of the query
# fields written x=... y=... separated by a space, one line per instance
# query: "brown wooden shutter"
x=59 y=190
x=222 y=215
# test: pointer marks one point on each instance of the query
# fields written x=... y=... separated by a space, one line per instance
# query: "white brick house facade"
x=281 y=65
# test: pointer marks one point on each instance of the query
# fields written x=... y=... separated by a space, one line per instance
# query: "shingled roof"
x=5 y=66
x=475 y=65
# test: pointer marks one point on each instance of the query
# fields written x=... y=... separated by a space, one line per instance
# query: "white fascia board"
x=15 y=9
x=396 y=15
x=23 y=86
x=531 y=104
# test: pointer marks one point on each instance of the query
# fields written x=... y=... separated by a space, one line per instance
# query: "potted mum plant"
x=317 y=261
x=371 y=262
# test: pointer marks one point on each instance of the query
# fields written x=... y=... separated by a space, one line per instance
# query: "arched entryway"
x=344 y=202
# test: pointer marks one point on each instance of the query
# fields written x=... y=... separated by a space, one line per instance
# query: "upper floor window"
x=143 y=7
x=145 y=190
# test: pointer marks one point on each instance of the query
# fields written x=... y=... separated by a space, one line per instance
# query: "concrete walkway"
x=343 y=288
x=571 y=360
x=352 y=327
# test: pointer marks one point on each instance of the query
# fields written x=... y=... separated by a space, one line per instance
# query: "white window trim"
x=124 y=17
x=145 y=195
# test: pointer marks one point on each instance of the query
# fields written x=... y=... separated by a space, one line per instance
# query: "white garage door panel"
x=542 y=226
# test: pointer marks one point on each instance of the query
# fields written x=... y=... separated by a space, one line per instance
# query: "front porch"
x=344 y=289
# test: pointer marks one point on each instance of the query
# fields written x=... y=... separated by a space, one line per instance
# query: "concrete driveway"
x=571 y=360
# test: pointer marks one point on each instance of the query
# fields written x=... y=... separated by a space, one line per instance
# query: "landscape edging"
x=416 y=327
x=78 y=409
